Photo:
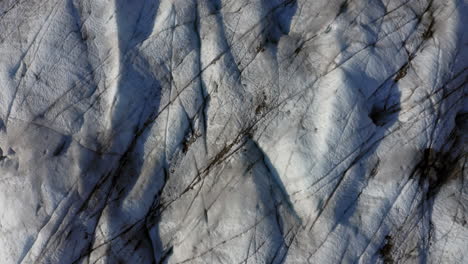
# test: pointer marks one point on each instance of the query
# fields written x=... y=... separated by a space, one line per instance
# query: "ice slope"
x=233 y=131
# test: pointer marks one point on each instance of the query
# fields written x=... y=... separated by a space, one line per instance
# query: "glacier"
x=233 y=131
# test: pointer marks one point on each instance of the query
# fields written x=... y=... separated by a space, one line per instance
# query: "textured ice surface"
x=233 y=131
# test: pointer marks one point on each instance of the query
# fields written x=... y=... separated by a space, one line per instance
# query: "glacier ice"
x=233 y=131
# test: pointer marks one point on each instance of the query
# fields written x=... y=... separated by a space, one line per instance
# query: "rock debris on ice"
x=233 y=131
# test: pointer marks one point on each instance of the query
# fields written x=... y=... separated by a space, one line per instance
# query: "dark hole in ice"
x=381 y=116
x=343 y=8
x=377 y=115
x=437 y=169
x=386 y=250
x=1 y=155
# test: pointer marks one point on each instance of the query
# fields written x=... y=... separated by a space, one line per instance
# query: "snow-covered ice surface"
x=233 y=131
